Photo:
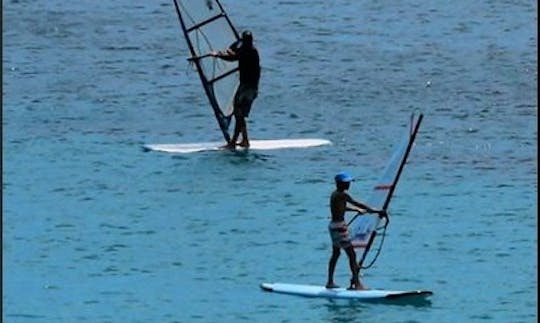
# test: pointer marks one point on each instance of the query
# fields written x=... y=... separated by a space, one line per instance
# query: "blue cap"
x=343 y=177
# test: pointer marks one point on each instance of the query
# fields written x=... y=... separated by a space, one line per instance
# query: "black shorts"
x=243 y=99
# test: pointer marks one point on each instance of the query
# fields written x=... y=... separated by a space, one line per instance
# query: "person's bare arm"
x=362 y=207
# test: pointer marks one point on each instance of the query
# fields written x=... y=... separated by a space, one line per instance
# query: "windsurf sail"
x=207 y=28
x=365 y=229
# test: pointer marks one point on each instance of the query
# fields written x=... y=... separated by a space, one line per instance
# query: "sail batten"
x=363 y=229
x=207 y=28
x=202 y=23
x=223 y=75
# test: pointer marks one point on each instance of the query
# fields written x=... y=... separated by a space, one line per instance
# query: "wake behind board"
x=343 y=293
x=254 y=145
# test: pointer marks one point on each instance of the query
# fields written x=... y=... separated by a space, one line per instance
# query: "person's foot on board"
x=244 y=143
x=331 y=285
x=357 y=285
x=230 y=146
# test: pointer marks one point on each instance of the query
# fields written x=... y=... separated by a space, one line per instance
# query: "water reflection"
x=347 y=310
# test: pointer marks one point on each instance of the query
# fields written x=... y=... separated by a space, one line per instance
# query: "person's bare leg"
x=232 y=143
x=332 y=267
x=243 y=130
x=355 y=270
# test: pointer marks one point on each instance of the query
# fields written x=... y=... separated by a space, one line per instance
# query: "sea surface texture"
x=97 y=230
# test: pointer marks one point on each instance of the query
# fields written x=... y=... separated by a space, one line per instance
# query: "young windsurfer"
x=250 y=71
x=340 y=202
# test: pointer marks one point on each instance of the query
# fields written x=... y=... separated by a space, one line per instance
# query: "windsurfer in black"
x=250 y=71
x=340 y=202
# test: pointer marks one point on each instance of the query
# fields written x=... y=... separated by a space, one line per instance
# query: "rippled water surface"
x=96 y=230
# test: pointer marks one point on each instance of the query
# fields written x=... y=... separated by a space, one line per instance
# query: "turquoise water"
x=96 y=230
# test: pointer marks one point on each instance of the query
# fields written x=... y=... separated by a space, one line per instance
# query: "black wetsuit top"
x=248 y=63
x=250 y=70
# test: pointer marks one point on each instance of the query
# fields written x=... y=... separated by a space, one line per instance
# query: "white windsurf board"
x=322 y=291
x=254 y=145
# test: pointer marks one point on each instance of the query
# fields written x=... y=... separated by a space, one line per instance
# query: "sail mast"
x=206 y=28
x=367 y=231
x=412 y=137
